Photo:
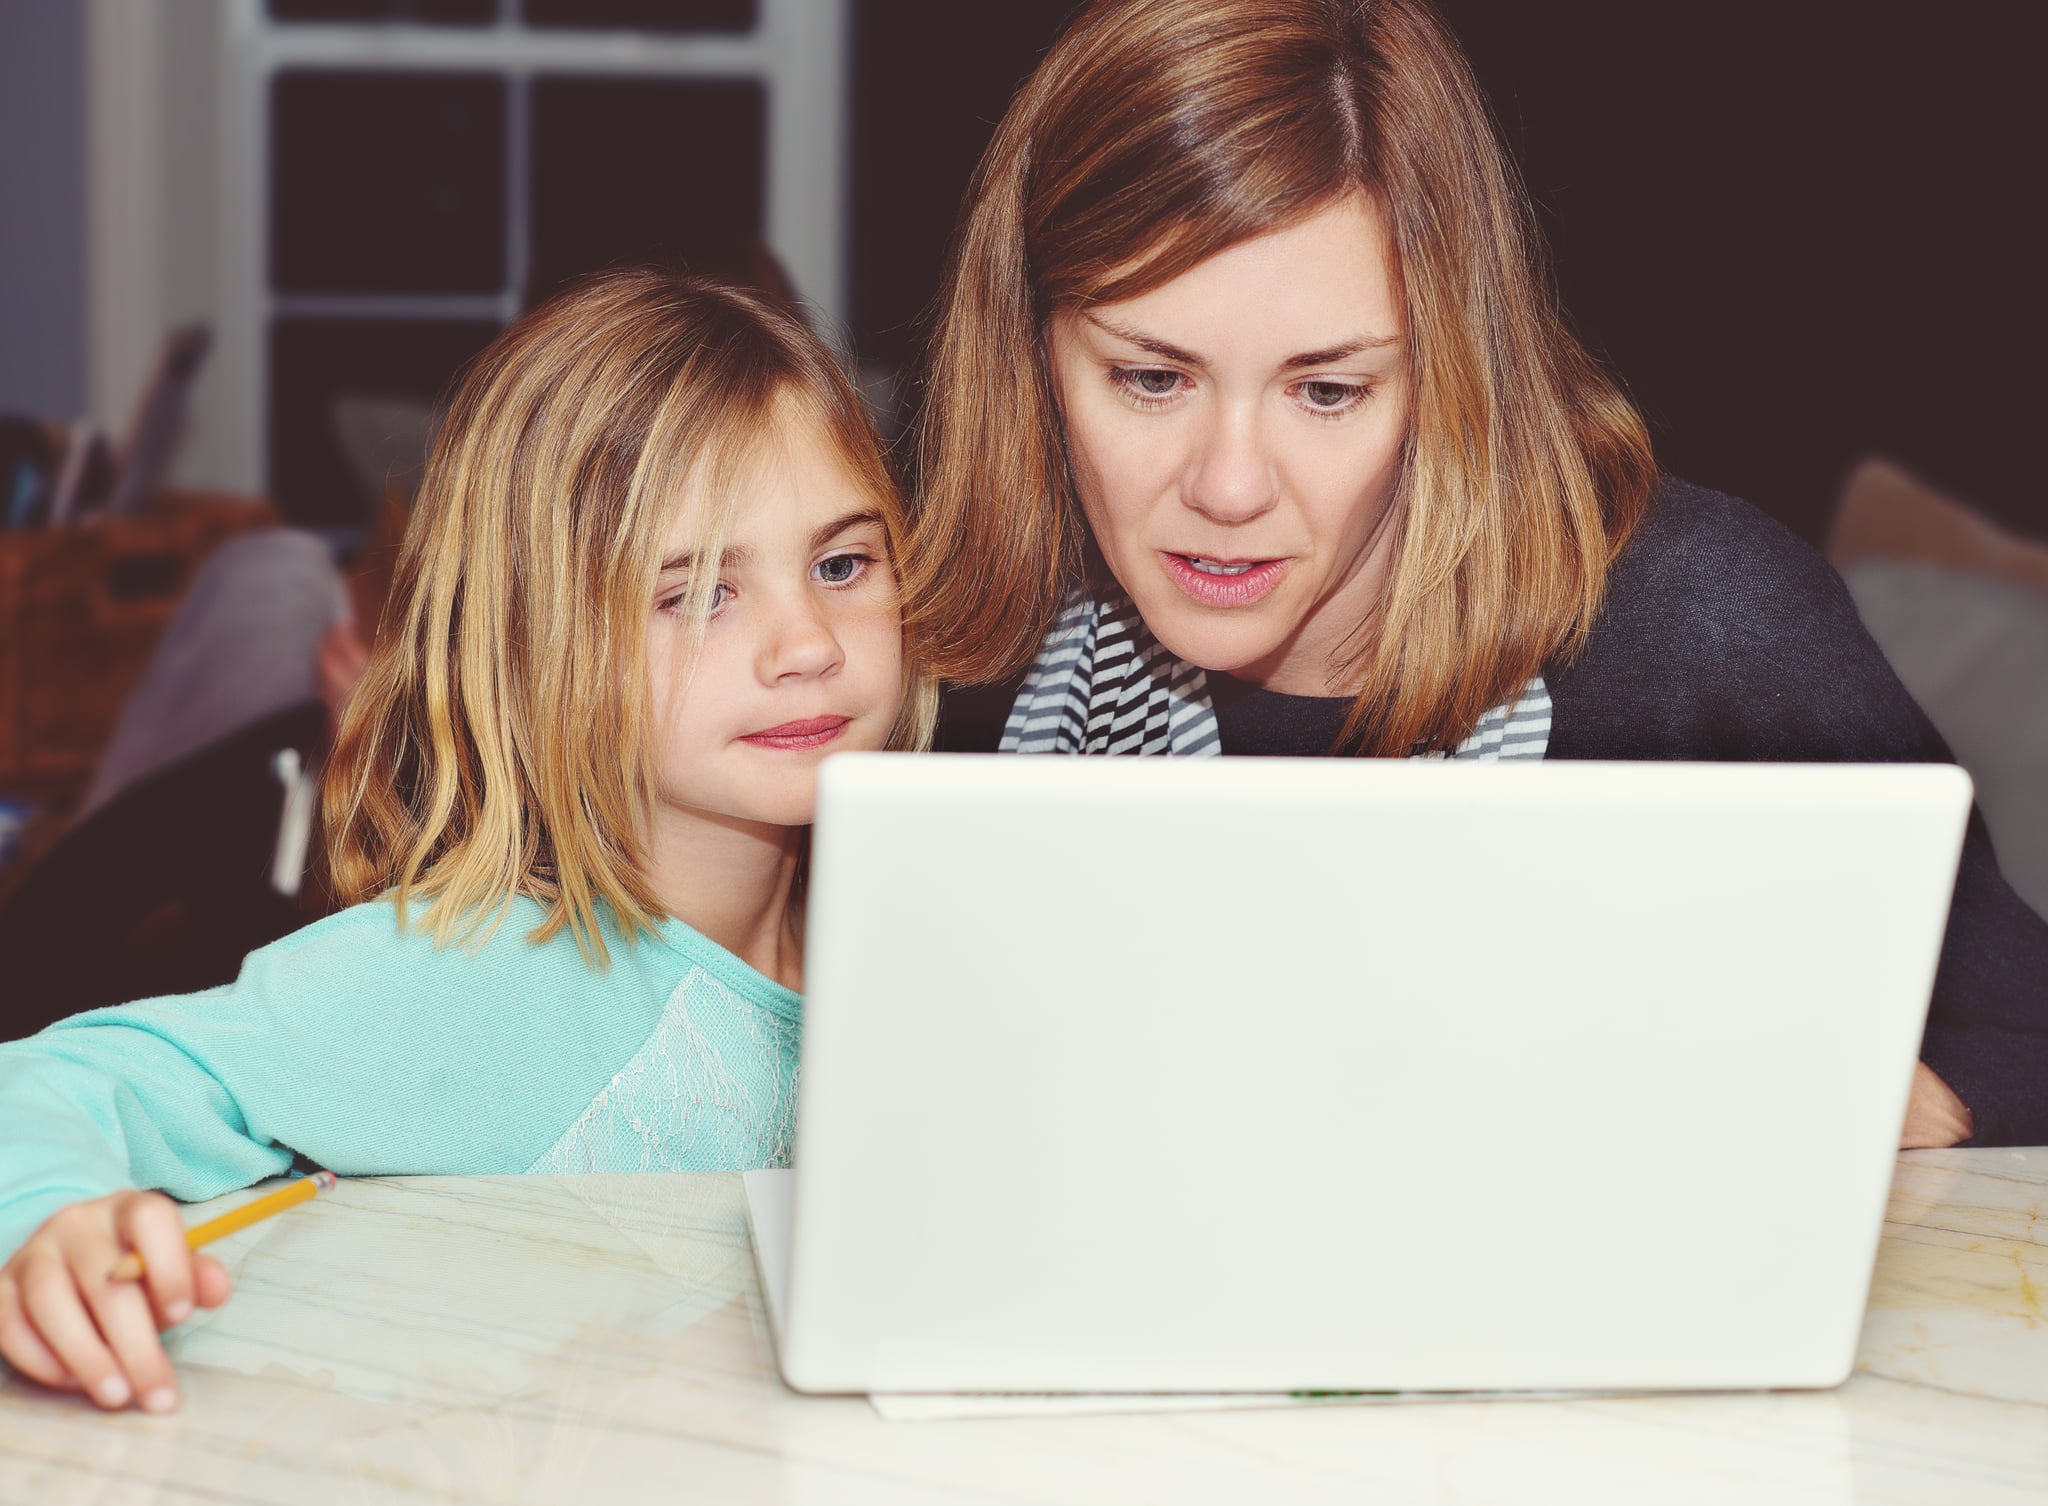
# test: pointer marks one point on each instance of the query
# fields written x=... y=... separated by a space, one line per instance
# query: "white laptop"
x=1209 y=1075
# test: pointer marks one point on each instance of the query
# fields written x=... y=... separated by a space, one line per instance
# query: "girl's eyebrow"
x=823 y=536
x=1342 y=351
x=740 y=554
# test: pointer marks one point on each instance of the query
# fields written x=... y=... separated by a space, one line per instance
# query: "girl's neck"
x=733 y=882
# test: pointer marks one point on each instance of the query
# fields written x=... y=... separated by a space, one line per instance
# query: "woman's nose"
x=1233 y=479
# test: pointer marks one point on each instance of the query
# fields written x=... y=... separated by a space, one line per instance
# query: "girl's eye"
x=720 y=595
x=842 y=569
x=1147 y=383
x=1331 y=397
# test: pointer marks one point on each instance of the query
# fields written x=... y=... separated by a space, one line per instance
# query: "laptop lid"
x=1154 y=1075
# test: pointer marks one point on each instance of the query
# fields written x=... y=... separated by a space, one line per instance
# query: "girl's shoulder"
x=370 y=946
x=377 y=925
x=370 y=949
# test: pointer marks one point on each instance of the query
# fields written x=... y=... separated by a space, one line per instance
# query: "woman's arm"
x=1725 y=638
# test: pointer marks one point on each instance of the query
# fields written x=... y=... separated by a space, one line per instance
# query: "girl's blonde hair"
x=1157 y=133
x=500 y=741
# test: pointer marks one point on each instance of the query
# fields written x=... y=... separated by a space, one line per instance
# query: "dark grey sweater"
x=1725 y=638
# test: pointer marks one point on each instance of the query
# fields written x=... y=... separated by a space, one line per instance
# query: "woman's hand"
x=65 y=1323
x=1935 y=1117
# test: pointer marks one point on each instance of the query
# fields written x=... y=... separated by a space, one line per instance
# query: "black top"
x=1724 y=638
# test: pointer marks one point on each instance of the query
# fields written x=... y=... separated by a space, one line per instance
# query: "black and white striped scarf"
x=1103 y=684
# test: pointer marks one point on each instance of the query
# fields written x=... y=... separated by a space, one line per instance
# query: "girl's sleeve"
x=123 y=1098
x=363 y=1048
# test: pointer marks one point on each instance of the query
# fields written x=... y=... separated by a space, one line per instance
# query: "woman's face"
x=1236 y=437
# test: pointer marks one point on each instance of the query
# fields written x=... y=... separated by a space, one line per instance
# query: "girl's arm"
x=122 y=1098
x=362 y=1047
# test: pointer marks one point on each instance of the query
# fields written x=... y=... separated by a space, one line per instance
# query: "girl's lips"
x=1238 y=590
x=813 y=732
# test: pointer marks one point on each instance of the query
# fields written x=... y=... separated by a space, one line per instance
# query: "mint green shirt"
x=368 y=1051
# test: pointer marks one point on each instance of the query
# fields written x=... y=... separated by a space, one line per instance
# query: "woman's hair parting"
x=1157 y=133
x=500 y=740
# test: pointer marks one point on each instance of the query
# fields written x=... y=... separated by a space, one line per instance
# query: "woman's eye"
x=1330 y=397
x=842 y=569
x=1147 y=382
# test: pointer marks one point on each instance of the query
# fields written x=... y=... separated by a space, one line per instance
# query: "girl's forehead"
x=779 y=493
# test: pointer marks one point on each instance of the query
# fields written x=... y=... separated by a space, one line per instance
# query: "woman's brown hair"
x=500 y=742
x=1157 y=133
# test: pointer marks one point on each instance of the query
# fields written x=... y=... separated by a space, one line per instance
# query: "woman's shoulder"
x=1724 y=635
x=1714 y=559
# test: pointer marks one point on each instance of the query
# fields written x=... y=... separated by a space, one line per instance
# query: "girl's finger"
x=53 y=1303
x=121 y=1310
x=23 y=1348
x=211 y=1283
x=148 y=1224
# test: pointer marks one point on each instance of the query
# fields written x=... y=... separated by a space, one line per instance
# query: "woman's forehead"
x=1327 y=279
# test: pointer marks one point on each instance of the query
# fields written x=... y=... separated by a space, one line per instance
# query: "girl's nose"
x=1232 y=479
x=801 y=644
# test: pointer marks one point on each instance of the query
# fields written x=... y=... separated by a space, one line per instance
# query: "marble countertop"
x=601 y=1339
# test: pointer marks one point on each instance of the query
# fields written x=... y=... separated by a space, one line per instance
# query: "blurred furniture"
x=599 y=1339
x=240 y=647
x=1960 y=607
x=163 y=889
x=81 y=609
x=1888 y=513
x=186 y=854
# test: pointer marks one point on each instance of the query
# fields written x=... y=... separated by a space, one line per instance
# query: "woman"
x=1252 y=427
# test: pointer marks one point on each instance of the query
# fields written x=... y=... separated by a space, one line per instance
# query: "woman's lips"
x=1226 y=583
x=812 y=732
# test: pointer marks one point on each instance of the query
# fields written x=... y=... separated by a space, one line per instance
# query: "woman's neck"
x=732 y=881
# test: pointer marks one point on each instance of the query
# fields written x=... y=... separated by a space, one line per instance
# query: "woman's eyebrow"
x=1150 y=344
x=1341 y=352
x=1166 y=351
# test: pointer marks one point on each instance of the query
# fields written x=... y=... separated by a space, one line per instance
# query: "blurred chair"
x=240 y=647
x=1960 y=607
x=189 y=855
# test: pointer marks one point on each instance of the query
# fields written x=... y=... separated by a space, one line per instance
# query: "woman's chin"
x=1241 y=648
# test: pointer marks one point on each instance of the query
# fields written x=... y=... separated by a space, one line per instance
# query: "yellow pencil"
x=303 y=1190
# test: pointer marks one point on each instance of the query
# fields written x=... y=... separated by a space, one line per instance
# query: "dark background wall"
x=42 y=207
x=1801 y=232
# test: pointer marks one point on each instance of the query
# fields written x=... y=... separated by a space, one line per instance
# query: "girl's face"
x=803 y=652
x=1236 y=437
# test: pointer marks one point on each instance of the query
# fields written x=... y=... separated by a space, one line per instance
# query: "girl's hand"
x=65 y=1324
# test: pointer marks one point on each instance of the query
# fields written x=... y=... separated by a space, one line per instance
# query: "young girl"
x=647 y=588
